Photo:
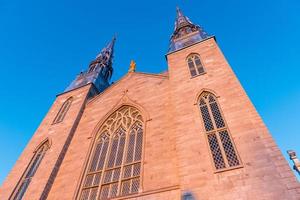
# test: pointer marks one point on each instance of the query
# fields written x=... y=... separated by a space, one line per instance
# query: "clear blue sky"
x=44 y=44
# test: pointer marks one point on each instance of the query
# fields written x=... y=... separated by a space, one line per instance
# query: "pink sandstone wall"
x=57 y=135
x=265 y=173
x=176 y=153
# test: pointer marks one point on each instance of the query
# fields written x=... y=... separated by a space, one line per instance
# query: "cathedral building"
x=190 y=133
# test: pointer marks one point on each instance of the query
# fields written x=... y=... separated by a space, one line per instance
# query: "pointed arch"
x=198 y=95
x=195 y=64
x=114 y=166
x=30 y=171
x=47 y=142
x=125 y=100
x=63 y=111
x=222 y=148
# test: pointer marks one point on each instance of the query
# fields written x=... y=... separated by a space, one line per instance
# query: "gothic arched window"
x=114 y=168
x=221 y=145
x=30 y=171
x=63 y=111
x=195 y=65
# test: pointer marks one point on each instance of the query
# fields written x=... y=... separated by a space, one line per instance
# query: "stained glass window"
x=195 y=65
x=30 y=171
x=220 y=143
x=114 y=168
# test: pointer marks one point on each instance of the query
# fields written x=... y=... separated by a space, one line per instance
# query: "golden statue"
x=132 y=66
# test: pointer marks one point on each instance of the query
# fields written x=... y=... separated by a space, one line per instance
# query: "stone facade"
x=176 y=155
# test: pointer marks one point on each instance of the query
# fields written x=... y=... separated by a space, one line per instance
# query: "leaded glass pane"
x=217 y=115
x=85 y=194
x=33 y=166
x=130 y=150
x=122 y=129
x=192 y=67
x=93 y=194
x=229 y=149
x=199 y=65
x=206 y=118
x=221 y=146
x=139 y=144
x=135 y=185
x=102 y=155
x=125 y=187
x=216 y=151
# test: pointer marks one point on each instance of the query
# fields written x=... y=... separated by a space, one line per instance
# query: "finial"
x=112 y=42
x=132 y=66
x=178 y=11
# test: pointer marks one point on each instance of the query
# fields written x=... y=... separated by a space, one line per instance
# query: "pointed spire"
x=178 y=11
x=109 y=47
x=104 y=58
x=181 y=20
x=100 y=70
x=185 y=32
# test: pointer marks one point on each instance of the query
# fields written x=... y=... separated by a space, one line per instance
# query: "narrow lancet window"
x=114 y=168
x=63 y=111
x=195 y=65
x=30 y=171
x=221 y=145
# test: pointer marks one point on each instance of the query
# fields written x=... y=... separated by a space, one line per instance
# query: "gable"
x=132 y=81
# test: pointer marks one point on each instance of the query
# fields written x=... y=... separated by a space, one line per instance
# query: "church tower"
x=190 y=133
x=47 y=148
x=223 y=147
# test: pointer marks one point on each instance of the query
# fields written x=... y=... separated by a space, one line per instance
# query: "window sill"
x=198 y=75
x=228 y=169
x=145 y=193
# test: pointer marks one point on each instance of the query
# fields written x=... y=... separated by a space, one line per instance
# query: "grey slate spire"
x=99 y=72
x=185 y=32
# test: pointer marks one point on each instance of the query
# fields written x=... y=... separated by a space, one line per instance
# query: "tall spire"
x=181 y=20
x=104 y=58
x=99 y=71
x=185 y=32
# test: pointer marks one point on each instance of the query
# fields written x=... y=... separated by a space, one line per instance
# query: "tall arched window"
x=114 y=167
x=195 y=65
x=63 y=111
x=30 y=171
x=221 y=146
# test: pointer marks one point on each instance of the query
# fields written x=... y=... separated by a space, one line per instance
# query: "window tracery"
x=220 y=143
x=195 y=65
x=115 y=165
x=30 y=171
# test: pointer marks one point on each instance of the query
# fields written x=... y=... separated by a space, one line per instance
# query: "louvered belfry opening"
x=222 y=149
x=114 y=168
x=30 y=171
